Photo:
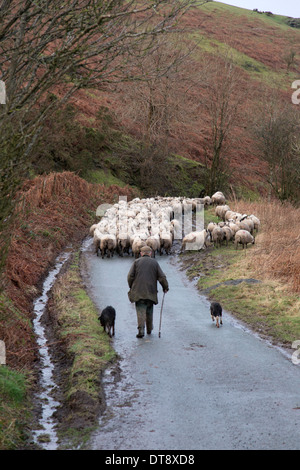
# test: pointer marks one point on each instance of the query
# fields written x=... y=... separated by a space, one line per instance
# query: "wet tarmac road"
x=196 y=387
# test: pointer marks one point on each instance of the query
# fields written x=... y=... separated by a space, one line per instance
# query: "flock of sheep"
x=240 y=228
x=157 y=222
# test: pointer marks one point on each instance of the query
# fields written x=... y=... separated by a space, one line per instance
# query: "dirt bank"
x=53 y=212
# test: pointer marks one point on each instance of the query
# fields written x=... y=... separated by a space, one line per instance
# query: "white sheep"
x=218 y=198
x=235 y=216
x=154 y=242
x=249 y=222
x=123 y=244
x=176 y=229
x=228 y=234
x=229 y=215
x=211 y=226
x=244 y=225
x=206 y=201
x=136 y=246
x=165 y=242
x=221 y=210
x=217 y=235
x=256 y=221
x=92 y=229
x=233 y=226
x=243 y=237
x=157 y=221
x=196 y=240
x=97 y=235
x=108 y=244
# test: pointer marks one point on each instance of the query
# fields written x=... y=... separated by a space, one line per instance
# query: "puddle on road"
x=45 y=436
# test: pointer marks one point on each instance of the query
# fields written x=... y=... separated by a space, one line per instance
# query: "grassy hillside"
x=258 y=45
x=261 y=37
x=104 y=142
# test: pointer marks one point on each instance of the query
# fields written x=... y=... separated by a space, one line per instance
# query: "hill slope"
x=258 y=44
x=110 y=145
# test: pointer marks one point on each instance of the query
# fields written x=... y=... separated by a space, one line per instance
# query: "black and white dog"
x=107 y=320
x=216 y=313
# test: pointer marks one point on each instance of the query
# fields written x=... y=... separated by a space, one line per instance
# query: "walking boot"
x=140 y=333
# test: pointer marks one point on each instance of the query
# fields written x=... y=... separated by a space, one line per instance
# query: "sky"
x=279 y=7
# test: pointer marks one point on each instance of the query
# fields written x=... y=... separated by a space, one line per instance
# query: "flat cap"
x=146 y=249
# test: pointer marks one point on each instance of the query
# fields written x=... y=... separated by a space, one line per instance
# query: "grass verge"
x=14 y=408
x=266 y=306
x=84 y=354
x=247 y=285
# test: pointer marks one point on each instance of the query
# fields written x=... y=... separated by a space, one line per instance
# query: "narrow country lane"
x=196 y=387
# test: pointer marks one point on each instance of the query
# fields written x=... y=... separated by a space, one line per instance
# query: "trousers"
x=144 y=311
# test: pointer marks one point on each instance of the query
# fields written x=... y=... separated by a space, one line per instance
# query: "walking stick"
x=161 y=308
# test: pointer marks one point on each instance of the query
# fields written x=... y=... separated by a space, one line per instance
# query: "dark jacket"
x=142 y=279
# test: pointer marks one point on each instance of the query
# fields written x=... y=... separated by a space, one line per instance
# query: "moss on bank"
x=14 y=408
x=85 y=351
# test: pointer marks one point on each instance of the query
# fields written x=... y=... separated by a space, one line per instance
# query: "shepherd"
x=142 y=281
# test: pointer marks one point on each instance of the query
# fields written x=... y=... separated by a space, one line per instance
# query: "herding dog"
x=107 y=320
x=216 y=313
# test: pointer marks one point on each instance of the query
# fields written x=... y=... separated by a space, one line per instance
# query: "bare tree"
x=49 y=49
x=276 y=130
x=220 y=99
x=160 y=99
x=289 y=58
x=75 y=44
